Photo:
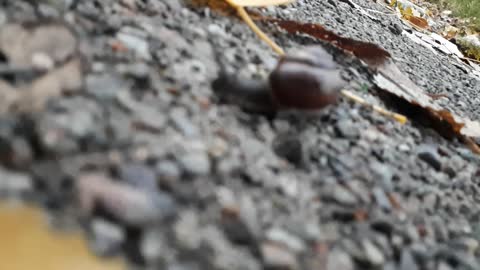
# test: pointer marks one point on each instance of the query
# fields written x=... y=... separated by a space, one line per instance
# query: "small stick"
x=246 y=18
x=398 y=117
x=244 y=15
x=471 y=59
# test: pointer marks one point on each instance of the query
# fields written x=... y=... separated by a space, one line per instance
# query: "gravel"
x=158 y=168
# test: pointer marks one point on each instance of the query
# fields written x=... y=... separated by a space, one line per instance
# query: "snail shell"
x=307 y=79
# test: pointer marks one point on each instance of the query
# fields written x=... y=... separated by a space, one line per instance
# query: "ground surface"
x=344 y=189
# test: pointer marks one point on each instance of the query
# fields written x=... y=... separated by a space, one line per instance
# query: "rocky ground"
x=152 y=167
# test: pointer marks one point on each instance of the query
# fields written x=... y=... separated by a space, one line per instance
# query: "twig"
x=471 y=59
x=244 y=15
x=246 y=18
x=398 y=117
x=379 y=12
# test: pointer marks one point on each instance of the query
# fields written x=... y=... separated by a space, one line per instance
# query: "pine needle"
x=398 y=117
x=246 y=18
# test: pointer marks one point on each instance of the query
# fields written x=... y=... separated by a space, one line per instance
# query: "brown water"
x=27 y=244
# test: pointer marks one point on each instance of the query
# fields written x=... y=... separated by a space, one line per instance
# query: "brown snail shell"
x=307 y=79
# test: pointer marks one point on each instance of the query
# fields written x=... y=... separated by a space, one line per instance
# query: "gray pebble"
x=276 y=257
x=381 y=198
x=373 y=255
x=195 y=163
x=346 y=129
x=135 y=43
x=107 y=238
x=343 y=196
x=167 y=171
x=407 y=262
x=430 y=155
x=104 y=86
x=338 y=259
x=285 y=238
x=15 y=184
x=139 y=176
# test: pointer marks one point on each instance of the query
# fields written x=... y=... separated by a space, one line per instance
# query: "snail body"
x=306 y=79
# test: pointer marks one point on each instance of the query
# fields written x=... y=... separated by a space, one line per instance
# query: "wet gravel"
x=148 y=162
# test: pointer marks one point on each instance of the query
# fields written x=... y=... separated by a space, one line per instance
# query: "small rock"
x=195 y=163
x=395 y=28
x=150 y=119
x=276 y=257
x=373 y=255
x=381 y=198
x=182 y=122
x=137 y=44
x=104 y=86
x=443 y=266
x=3 y=18
x=343 y=196
x=138 y=176
x=139 y=71
x=15 y=184
x=237 y=230
x=152 y=246
x=339 y=260
x=404 y=147
x=22 y=152
x=289 y=147
x=42 y=61
x=167 y=171
x=215 y=30
x=346 y=129
x=107 y=238
x=218 y=148
x=384 y=173
x=285 y=238
x=131 y=206
x=186 y=230
x=384 y=226
x=468 y=245
x=407 y=262
x=430 y=155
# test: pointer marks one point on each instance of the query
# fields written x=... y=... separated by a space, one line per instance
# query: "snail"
x=306 y=79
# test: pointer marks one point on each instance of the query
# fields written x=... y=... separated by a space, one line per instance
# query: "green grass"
x=468 y=9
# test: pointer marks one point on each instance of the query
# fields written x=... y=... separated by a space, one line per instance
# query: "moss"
x=469 y=49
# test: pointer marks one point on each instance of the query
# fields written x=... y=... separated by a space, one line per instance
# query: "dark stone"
x=289 y=146
x=430 y=155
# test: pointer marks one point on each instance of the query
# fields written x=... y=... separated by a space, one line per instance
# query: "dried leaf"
x=413 y=14
x=450 y=32
x=258 y=3
x=368 y=52
x=418 y=21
